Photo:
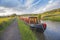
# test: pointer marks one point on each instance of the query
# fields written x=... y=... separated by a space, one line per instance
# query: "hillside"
x=52 y=12
x=51 y=15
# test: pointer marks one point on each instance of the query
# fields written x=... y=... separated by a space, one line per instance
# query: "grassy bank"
x=4 y=22
x=53 y=18
x=25 y=31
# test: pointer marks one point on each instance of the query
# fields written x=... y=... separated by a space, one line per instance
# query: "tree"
x=39 y=17
x=13 y=15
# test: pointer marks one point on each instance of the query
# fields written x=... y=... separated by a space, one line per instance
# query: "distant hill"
x=51 y=12
x=29 y=15
x=53 y=15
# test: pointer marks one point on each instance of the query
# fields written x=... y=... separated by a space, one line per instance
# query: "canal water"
x=52 y=31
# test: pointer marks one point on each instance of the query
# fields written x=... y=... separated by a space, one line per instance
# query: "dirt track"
x=12 y=32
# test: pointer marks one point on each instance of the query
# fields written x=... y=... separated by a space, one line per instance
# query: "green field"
x=4 y=22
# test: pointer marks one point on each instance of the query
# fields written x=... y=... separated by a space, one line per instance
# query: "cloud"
x=5 y=11
x=21 y=4
x=2 y=11
x=51 y=1
x=52 y=4
x=8 y=7
x=35 y=3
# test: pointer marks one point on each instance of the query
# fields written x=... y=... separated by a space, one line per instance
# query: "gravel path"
x=12 y=32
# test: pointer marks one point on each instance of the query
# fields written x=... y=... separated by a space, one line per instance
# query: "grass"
x=56 y=18
x=4 y=22
x=25 y=31
x=5 y=19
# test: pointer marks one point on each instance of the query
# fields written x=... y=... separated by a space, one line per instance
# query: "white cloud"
x=29 y=2
x=34 y=4
x=8 y=11
x=51 y=5
x=51 y=1
x=39 y=11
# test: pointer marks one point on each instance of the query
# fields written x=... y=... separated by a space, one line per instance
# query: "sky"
x=8 y=7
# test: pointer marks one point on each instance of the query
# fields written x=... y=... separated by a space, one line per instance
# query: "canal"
x=52 y=31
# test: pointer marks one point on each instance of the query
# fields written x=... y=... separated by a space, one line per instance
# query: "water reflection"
x=40 y=36
x=51 y=33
